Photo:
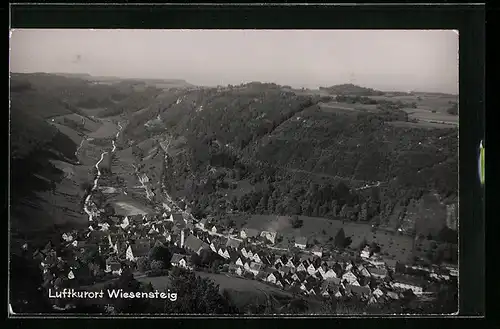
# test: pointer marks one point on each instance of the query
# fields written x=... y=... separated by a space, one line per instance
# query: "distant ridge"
x=351 y=89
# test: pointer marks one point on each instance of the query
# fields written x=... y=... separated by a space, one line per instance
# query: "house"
x=392 y=295
x=358 y=290
x=136 y=250
x=233 y=255
x=239 y=271
x=125 y=223
x=299 y=276
x=176 y=218
x=281 y=260
x=239 y=262
x=317 y=251
x=71 y=275
x=247 y=233
x=378 y=273
x=363 y=271
x=244 y=252
x=67 y=237
x=201 y=224
x=408 y=283
x=311 y=269
x=224 y=253
x=274 y=277
x=255 y=268
x=390 y=264
x=269 y=235
x=349 y=277
x=113 y=266
x=365 y=253
x=195 y=245
x=378 y=293
x=301 y=268
x=301 y=242
x=214 y=229
x=293 y=262
x=372 y=300
x=285 y=270
x=258 y=256
x=181 y=261
x=233 y=243
x=336 y=281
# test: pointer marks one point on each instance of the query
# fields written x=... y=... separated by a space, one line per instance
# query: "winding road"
x=88 y=203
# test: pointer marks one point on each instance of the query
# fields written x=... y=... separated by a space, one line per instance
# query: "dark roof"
x=140 y=248
x=176 y=258
x=358 y=290
x=195 y=244
x=177 y=217
x=301 y=240
x=377 y=271
x=251 y=232
x=233 y=243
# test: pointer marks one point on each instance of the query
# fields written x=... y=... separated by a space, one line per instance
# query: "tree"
x=157 y=265
x=340 y=239
x=296 y=222
x=161 y=254
x=143 y=264
x=363 y=214
x=453 y=110
x=196 y=295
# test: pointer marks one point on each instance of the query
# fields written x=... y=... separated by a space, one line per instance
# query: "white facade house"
x=125 y=223
x=301 y=242
x=269 y=235
x=329 y=274
x=349 y=277
x=417 y=290
x=365 y=253
x=311 y=269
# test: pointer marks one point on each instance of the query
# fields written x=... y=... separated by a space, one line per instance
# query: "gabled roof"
x=251 y=232
x=302 y=240
x=140 y=248
x=316 y=248
x=359 y=290
x=233 y=243
x=195 y=244
x=377 y=271
x=177 y=217
x=176 y=258
x=256 y=266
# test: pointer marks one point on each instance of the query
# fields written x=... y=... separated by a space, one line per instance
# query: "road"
x=88 y=203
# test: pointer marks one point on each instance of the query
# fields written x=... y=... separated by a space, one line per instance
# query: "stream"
x=88 y=203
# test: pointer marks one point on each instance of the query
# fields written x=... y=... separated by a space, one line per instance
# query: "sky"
x=389 y=60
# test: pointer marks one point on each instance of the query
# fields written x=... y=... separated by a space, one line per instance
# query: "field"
x=160 y=283
x=107 y=130
x=71 y=133
x=421 y=124
x=239 y=284
x=130 y=208
x=427 y=115
x=346 y=107
x=320 y=230
x=437 y=102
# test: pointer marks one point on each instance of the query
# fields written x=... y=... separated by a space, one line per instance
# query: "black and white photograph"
x=233 y=172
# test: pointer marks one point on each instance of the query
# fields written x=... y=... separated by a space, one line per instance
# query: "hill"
x=278 y=143
x=351 y=89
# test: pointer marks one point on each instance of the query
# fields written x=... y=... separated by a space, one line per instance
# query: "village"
x=122 y=243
